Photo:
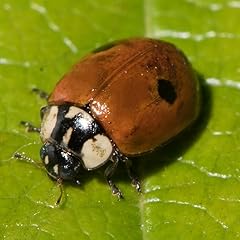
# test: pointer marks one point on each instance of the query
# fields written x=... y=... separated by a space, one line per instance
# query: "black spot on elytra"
x=166 y=91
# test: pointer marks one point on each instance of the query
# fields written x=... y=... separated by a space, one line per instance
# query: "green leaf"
x=190 y=187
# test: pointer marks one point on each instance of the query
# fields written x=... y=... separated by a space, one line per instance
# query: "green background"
x=191 y=188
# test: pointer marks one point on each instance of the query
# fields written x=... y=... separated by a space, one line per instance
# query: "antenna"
x=22 y=156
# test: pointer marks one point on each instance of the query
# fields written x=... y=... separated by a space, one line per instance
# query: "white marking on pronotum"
x=55 y=169
x=46 y=160
x=72 y=112
x=96 y=151
x=49 y=122
x=67 y=136
x=85 y=119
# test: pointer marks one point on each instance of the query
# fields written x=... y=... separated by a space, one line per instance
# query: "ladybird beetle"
x=120 y=101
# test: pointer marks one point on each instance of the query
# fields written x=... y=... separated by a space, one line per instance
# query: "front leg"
x=108 y=175
x=29 y=127
x=42 y=94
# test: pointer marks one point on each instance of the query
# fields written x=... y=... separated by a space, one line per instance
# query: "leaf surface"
x=190 y=187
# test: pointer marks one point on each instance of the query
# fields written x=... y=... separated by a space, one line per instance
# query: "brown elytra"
x=142 y=92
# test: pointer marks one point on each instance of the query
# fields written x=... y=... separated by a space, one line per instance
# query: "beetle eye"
x=43 y=110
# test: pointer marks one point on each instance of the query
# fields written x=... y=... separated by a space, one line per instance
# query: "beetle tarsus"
x=136 y=184
x=30 y=127
x=115 y=190
x=134 y=180
x=40 y=93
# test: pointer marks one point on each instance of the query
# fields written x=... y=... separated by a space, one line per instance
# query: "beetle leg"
x=40 y=93
x=131 y=174
x=60 y=185
x=30 y=127
x=108 y=175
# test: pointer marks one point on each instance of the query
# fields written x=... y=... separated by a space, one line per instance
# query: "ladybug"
x=120 y=101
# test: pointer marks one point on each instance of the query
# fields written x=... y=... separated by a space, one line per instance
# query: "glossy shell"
x=143 y=92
